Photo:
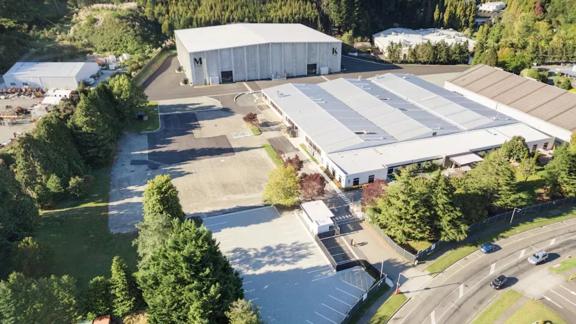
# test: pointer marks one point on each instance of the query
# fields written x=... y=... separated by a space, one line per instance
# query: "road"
x=458 y=294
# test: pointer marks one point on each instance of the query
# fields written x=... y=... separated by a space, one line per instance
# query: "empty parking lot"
x=284 y=272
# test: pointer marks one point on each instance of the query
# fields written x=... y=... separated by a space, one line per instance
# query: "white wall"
x=184 y=58
x=263 y=61
x=539 y=124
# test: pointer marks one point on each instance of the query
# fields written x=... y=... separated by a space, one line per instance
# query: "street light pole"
x=397 y=285
x=382 y=269
x=513 y=212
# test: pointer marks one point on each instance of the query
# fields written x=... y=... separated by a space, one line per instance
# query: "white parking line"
x=248 y=87
x=553 y=302
x=566 y=299
x=316 y=270
x=433 y=317
x=351 y=285
x=347 y=293
x=492 y=268
x=326 y=318
x=333 y=309
x=324 y=77
x=552 y=241
x=522 y=254
x=573 y=293
x=461 y=293
x=324 y=277
x=340 y=300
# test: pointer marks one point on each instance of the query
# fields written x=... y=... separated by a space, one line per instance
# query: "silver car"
x=538 y=257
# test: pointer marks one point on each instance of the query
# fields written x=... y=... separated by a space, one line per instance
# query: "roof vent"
x=282 y=94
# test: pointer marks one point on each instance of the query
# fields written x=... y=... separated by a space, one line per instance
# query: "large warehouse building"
x=542 y=106
x=49 y=75
x=240 y=52
x=362 y=130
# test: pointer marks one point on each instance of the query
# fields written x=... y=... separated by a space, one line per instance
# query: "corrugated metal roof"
x=537 y=99
x=452 y=107
x=243 y=34
x=46 y=69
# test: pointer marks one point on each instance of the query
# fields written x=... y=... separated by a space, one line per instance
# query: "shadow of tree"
x=252 y=259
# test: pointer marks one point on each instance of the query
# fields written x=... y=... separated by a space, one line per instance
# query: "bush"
x=294 y=162
x=563 y=82
x=78 y=186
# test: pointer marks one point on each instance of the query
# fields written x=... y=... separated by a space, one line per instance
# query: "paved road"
x=459 y=293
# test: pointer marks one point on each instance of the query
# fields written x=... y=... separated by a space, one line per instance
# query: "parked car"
x=538 y=257
x=499 y=282
x=487 y=248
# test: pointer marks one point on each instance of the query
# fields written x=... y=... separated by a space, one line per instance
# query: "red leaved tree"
x=372 y=191
x=312 y=186
x=251 y=118
x=294 y=162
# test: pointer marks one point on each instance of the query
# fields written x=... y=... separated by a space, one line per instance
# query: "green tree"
x=93 y=130
x=527 y=167
x=283 y=187
x=30 y=258
x=515 y=149
x=243 y=312
x=187 y=279
x=563 y=82
x=404 y=212
x=449 y=218
x=18 y=213
x=560 y=173
x=161 y=206
x=123 y=300
x=43 y=300
x=129 y=97
x=97 y=299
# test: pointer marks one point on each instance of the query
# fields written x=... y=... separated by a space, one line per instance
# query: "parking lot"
x=284 y=272
x=165 y=84
x=215 y=162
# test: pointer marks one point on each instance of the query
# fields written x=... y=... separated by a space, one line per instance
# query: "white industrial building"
x=362 y=130
x=317 y=217
x=494 y=6
x=240 y=52
x=409 y=38
x=49 y=75
x=547 y=108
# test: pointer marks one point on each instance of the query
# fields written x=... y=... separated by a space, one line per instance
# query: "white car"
x=538 y=257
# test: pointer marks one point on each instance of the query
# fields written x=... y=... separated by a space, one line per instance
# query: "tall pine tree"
x=449 y=220
x=123 y=300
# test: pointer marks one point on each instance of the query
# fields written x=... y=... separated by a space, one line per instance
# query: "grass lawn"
x=255 y=130
x=493 y=312
x=453 y=256
x=76 y=232
x=565 y=265
x=419 y=245
x=388 y=309
x=534 y=312
x=151 y=124
x=273 y=154
x=308 y=153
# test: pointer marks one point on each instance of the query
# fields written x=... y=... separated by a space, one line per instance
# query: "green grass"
x=566 y=265
x=493 y=312
x=534 y=311
x=273 y=155
x=367 y=303
x=152 y=65
x=256 y=131
x=419 y=245
x=453 y=256
x=308 y=153
x=149 y=125
x=76 y=233
x=388 y=309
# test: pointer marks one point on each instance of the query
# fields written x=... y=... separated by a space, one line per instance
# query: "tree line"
x=542 y=31
x=362 y=18
x=182 y=277
x=428 y=53
x=432 y=207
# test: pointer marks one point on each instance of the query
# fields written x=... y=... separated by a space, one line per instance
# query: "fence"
x=475 y=231
x=375 y=291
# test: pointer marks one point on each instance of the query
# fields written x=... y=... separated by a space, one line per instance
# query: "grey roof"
x=450 y=106
x=341 y=115
x=537 y=99
x=245 y=34
x=47 y=69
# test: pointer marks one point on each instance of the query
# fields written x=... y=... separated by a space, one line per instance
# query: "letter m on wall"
x=197 y=61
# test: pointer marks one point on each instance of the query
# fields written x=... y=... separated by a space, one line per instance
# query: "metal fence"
x=475 y=231
x=375 y=290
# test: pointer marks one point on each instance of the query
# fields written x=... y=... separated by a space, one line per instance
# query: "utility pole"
x=382 y=269
x=397 y=285
x=513 y=212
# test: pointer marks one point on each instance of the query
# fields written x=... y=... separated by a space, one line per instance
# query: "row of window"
x=356 y=181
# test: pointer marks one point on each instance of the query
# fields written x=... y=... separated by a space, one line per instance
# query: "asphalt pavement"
x=458 y=294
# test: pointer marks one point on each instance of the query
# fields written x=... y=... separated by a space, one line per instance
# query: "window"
x=545 y=146
x=311 y=69
x=24 y=83
x=12 y=83
x=356 y=181
x=370 y=178
x=534 y=147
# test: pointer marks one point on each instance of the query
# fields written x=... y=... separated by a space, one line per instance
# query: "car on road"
x=499 y=282
x=538 y=257
x=487 y=248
